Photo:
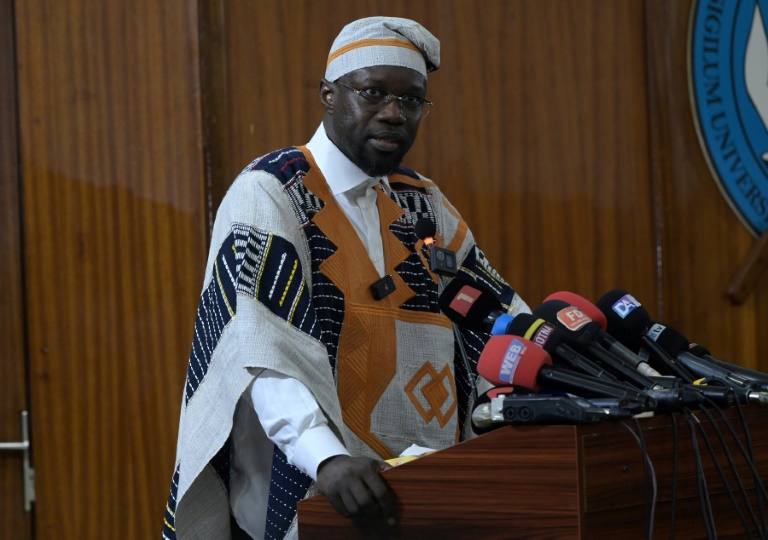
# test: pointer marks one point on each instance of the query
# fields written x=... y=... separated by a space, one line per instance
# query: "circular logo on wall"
x=728 y=73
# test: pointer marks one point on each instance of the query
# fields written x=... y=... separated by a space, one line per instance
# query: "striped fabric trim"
x=169 y=522
x=383 y=42
x=287 y=486
x=217 y=307
x=266 y=267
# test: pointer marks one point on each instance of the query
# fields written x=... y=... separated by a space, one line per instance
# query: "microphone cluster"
x=576 y=353
x=572 y=361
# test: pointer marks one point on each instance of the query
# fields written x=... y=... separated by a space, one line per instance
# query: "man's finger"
x=365 y=499
x=338 y=504
x=350 y=503
x=381 y=493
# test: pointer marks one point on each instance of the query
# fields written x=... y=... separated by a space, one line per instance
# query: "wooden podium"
x=563 y=481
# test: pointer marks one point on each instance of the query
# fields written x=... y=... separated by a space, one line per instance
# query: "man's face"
x=375 y=137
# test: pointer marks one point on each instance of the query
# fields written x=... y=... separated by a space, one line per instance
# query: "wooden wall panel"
x=13 y=392
x=114 y=235
x=562 y=132
x=703 y=243
x=554 y=163
x=539 y=134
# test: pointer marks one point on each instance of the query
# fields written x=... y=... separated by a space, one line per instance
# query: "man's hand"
x=354 y=487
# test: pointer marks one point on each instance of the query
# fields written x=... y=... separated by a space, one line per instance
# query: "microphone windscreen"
x=512 y=360
x=591 y=310
x=576 y=328
x=698 y=350
x=537 y=330
x=520 y=324
x=669 y=339
x=627 y=319
x=425 y=228
x=562 y=314
x=468 y=304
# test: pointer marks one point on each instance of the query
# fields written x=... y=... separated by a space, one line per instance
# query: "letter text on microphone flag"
x=573 y=318
x=463 y=301
x=542 y=334
x=511 y=360
x=589 y=309
x=655 y=331
x=625 y=305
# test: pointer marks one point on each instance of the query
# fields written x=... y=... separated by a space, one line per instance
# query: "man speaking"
x=320 y=350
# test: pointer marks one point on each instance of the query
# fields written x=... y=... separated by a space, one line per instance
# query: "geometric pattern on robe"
x=282 y=276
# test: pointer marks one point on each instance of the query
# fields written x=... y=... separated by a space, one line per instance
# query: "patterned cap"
x=383 y=41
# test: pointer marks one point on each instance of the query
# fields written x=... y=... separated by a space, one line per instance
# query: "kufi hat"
x=383 y=41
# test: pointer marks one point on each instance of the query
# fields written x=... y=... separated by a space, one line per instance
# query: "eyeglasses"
x=411 y=106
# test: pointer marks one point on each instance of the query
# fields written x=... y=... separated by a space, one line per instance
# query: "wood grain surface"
x=539 y=134
x=114 y=228
x=14 y=520
x=562 y=131
x=701 y=241
x=587 y=481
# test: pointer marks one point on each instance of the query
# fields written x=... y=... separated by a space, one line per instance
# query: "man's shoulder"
x=259 y=183
x=284 y=164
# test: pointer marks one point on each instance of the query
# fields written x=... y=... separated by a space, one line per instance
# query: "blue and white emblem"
x=729 y=89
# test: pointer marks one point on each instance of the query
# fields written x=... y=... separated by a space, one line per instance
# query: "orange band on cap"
x=388 y=42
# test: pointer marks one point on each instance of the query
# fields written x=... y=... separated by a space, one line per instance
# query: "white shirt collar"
x=341 y=174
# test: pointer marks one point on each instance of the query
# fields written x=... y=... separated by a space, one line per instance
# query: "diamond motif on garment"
x=429 y=391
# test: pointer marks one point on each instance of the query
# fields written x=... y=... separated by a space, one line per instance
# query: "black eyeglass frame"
x=416 y=109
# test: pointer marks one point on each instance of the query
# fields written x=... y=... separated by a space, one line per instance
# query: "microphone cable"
x=459 y=339
x=749 y=451
x=465 y=360
x=675 y=450
x=425 y=228
x=749 y=458
x=650 y=478
x=704 y=502
x=722 y=474
x=755 y=474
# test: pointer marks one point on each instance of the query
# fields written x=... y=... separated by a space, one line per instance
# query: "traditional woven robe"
x=287 y=288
